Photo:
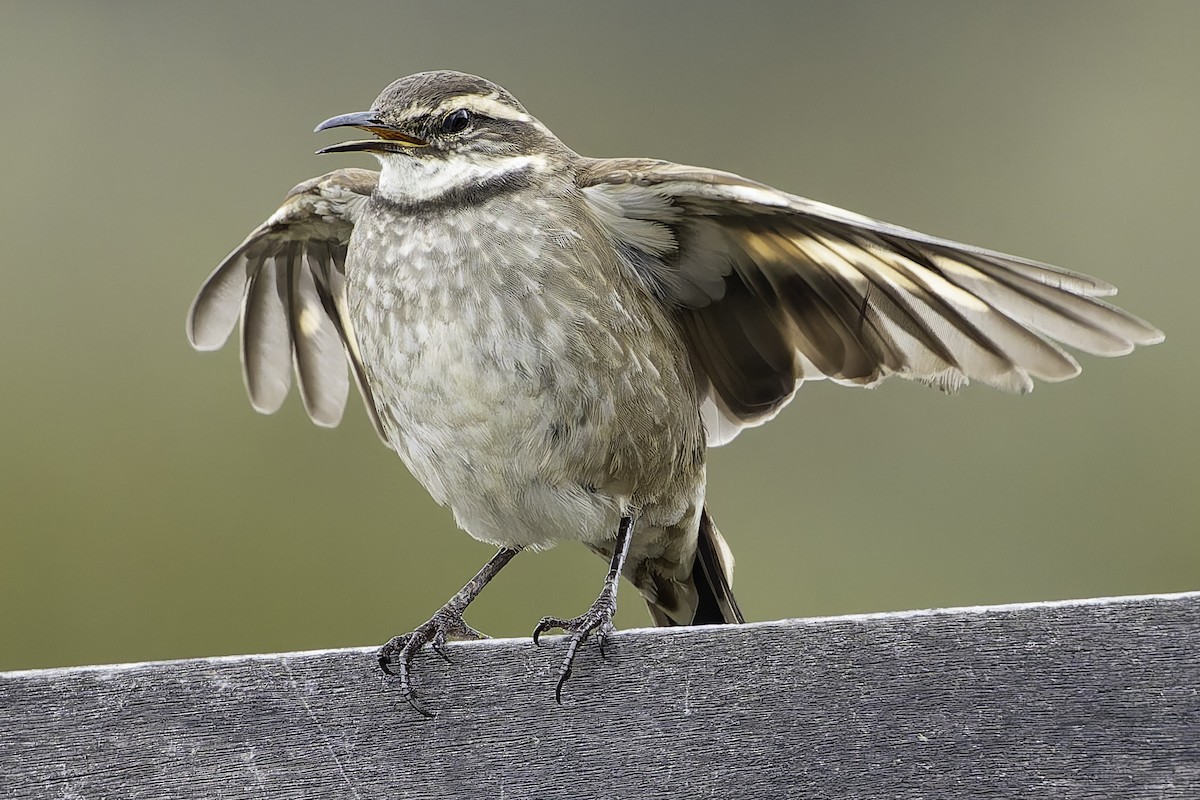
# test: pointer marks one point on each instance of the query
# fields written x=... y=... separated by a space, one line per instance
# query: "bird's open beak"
x=390 y=140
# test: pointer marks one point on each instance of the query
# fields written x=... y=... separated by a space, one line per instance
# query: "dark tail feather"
x=712 y=575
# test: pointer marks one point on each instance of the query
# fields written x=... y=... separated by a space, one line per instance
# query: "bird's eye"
x=456 y=121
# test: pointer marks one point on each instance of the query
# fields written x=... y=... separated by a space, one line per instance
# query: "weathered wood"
x=1095 y=699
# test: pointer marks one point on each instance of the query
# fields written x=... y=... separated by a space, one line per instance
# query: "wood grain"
x=1088 y=699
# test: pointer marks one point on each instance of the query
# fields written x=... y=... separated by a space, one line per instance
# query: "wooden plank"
x=1095 y=699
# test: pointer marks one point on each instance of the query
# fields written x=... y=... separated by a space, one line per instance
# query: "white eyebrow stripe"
x=490 y=106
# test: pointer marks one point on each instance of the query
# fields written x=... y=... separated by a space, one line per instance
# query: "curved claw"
x=410 y=697
x=549 y=624
x=396 y=657
x=439 y=646
x=402 y=650
x=601 y=638
x=563 y=675
x=596 y=619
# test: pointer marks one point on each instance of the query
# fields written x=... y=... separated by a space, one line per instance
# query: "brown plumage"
x=550 y=342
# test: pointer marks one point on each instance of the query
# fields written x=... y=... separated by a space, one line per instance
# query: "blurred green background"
x=149 y=513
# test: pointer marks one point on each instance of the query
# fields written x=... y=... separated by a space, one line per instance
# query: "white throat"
x=408 y=179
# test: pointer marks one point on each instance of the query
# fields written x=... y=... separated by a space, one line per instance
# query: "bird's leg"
x=446 y=625
x=598 y=618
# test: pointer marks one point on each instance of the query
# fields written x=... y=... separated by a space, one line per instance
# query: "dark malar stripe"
x=462 y=196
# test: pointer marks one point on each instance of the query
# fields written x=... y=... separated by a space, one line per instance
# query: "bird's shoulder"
x=324 y=207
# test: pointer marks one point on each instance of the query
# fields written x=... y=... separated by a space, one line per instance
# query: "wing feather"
x=266 y=343
x=773 y=289
x=320 y=356
x=286 y=282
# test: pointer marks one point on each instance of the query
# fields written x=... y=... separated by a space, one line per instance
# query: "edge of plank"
x=795 y=622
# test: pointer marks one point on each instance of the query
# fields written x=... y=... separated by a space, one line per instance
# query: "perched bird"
x=551 y=342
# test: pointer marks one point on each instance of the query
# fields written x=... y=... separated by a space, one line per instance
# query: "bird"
x=552 y=342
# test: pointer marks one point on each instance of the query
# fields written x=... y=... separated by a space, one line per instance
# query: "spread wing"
x=287 y=284
x=773 y=289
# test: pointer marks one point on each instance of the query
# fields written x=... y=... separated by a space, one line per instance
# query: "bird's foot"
x=598 y=618
x=396 y=657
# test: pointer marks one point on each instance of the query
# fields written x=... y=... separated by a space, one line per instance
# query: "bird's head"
x=445 y=131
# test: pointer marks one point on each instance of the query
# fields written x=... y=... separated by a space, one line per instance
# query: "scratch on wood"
x=300 y=695
x=1073 y=700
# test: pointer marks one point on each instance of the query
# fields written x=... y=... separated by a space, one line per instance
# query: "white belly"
x=520 y=384
x=479 y=439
